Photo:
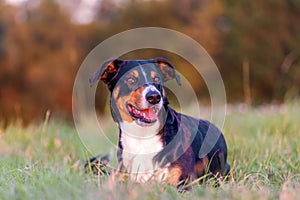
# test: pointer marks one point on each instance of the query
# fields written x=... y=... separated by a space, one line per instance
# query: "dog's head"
x=136 y=87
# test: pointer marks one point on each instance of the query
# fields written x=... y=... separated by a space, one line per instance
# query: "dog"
x=155 y=141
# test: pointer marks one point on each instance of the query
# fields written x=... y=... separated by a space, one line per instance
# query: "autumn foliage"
x=42 y=47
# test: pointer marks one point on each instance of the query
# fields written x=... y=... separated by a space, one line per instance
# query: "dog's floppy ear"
x=167 y=70
x=107 y=72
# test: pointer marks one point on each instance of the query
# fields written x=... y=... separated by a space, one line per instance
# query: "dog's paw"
x=98 y=165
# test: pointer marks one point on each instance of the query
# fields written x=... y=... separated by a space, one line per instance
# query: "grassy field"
x=46 y=161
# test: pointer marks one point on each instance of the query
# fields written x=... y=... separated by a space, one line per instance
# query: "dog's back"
x=155 y=140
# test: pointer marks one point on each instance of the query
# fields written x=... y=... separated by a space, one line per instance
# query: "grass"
x=46 y=161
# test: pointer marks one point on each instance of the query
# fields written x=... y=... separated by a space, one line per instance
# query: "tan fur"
x=116 y=92
x=134 y=73
x=153 y=74
x=165 y=69
x=201 y=166
x=123 y=110
x=174 y=175
x=135 y=98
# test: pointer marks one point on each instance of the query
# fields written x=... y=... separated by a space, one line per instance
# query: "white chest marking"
x=140 y=145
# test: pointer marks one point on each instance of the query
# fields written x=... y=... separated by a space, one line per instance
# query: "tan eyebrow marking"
x=153 y=74
x=134 y=73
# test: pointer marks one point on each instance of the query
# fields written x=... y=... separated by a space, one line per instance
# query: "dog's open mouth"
x=147 y=115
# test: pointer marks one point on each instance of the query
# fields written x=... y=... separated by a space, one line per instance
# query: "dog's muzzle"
x=147 y=112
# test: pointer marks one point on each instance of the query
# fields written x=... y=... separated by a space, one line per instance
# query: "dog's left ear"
x=167 y=69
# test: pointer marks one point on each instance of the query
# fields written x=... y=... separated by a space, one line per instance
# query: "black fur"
x=182 y=136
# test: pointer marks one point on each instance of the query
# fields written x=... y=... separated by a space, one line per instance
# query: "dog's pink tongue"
x=150 y=114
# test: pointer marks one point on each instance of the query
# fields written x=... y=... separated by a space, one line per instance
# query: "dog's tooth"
x=136 y=111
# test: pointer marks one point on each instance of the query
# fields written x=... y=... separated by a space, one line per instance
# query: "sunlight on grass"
x=46 y=162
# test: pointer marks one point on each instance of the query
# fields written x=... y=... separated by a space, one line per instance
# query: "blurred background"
x=255 y=44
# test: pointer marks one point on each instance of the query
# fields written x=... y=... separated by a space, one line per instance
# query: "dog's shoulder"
x=191 y=129
x=176 y=122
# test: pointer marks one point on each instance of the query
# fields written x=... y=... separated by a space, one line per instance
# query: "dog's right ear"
x=166 y=69
x=107 y=72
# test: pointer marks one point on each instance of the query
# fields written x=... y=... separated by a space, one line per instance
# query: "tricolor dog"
x=155 y=141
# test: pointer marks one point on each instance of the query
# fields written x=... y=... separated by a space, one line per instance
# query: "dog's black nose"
x=153 y=97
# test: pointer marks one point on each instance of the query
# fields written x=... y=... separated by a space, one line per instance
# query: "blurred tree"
x=41 y=47
x=43 y=55
x=199 y=20
x=264 y=32
x=196 y=18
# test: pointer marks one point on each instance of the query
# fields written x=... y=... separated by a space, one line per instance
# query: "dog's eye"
x=131 y=80
x=156 y=79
